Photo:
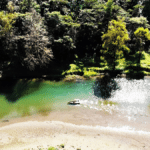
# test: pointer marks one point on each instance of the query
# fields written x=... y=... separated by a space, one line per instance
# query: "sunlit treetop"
x=142 y=33
x=6 y=22
x=116 y=35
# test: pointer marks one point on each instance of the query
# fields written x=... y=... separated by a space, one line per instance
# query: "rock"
x=75 y=102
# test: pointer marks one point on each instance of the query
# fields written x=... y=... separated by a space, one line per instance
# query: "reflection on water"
x=105 y=87
x=132 y=98
x=127 y=98
x=14 y=89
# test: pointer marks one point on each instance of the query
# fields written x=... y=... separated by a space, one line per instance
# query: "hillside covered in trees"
x=86 y=37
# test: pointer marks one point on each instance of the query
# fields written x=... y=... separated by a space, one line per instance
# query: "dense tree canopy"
x=52 y=34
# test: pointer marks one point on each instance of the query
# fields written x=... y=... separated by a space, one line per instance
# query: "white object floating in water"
x=75 y=102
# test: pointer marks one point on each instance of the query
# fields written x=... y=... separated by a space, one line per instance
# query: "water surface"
x=131 y=98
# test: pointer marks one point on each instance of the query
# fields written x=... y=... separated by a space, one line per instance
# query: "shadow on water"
x=104 y=87
x=14 y=89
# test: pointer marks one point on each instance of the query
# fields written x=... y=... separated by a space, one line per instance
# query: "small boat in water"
x=75 y=102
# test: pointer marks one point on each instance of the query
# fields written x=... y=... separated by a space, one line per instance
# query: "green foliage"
x=114 y=42
x=57 y=2
x=72 y=28
x=74 y=69
x=36 y=7
x=6 y=22
x=26 y=5
x=138 y=6
x=62 y=146
x=63 y=43
x=109 y=6
x=142 y=21
x=89 y=73
x=116 y=35
x=142 y=34
x=145 y=63
x=89 y=3
x=136 y=10
x=26 y=46
x=56 y=17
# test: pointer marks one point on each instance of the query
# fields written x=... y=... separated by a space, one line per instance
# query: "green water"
x=28 y=97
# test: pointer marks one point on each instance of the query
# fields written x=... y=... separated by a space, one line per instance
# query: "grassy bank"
x=92 y=70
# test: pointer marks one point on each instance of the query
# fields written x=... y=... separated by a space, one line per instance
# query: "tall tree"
x=114 y=42
x=142 y=35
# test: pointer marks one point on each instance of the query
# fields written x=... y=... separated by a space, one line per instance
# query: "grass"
x=72 y=78
x=94 y=70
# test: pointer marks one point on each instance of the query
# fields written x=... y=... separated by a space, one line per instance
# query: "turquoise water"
x=30 y=97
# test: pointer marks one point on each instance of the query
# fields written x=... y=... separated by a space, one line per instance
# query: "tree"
x=31 y=42
x=26 y=46
x=142 y=36
x=114 y=42
x=7 y=19
x=61 y=30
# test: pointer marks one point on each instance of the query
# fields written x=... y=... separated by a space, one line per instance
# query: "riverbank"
x=36 y=135
x=75 y=128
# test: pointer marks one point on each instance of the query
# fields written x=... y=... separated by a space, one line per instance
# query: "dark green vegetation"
x=84 y=37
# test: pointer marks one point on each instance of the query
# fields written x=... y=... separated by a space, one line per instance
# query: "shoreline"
x=34 y=134
x=75 y=128
x=79 y=115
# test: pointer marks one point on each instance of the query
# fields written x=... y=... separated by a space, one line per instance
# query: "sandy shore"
x=76 y=128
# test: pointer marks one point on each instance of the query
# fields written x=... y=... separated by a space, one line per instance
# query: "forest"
x=56 y=38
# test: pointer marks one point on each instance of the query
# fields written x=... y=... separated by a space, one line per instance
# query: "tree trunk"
x=114 y=58
x=139 y=59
